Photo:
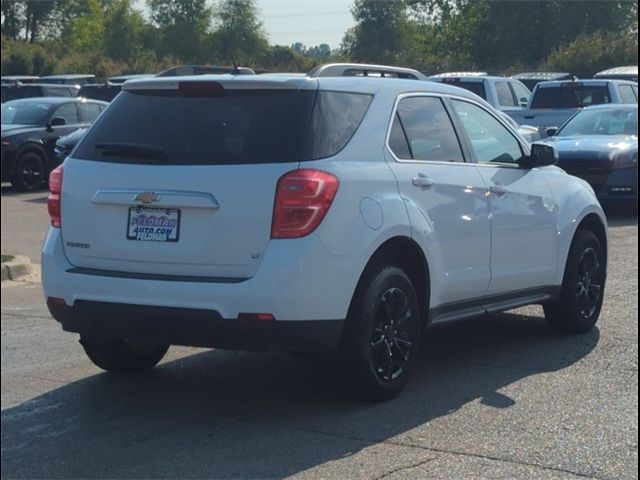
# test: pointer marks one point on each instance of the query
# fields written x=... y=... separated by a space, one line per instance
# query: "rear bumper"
x=194 y=327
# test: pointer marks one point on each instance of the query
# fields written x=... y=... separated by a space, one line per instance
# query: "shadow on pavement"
x=232 y=414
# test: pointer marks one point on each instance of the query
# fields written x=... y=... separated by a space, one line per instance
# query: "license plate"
x=153 y=224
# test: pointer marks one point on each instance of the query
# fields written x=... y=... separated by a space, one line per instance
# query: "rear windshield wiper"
x=133 y=150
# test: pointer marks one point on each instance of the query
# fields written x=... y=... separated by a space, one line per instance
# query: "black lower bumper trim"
x=194 y=327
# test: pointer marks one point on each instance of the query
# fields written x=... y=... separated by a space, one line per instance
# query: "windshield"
x=31 y=113
x=616 y=121
x=570 y=96
x=230 y=127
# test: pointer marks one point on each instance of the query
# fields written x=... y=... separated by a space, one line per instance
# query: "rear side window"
x=570 y=96
x=426 y=128
x=475 y=87
x=226 y=128
x=89 y=111
x=522 y=94
x=505 y=97
x=626 y=94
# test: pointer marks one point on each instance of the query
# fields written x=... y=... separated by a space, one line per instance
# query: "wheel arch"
x=593 y=223
x=406 y=254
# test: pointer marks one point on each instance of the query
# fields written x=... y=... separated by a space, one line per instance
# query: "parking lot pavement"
x=24 y=222
x=500 y=397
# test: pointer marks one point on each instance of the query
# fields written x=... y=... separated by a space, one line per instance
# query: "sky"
x=311 y=22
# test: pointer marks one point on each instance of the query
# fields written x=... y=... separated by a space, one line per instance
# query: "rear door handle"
x=498 y=190
x=422 y=181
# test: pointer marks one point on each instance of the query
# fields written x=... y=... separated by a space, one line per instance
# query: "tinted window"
x=227 y=127
x=570 y=96
x=472 y=86
x=614 y=121
x=626 y=94
x=67 y=111
x=58 y=92
x=428 y=130
x=14 y=93
x=490 y=140
x=89 y=111
x=336 y=117
x=505 y=97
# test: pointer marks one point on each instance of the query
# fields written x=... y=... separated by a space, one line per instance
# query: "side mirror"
x=524 y=102
x=542 y=155
x=551 y=131
x=58 y=122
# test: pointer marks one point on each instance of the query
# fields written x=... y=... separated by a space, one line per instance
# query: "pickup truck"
x=501 y=92
x=553 y=103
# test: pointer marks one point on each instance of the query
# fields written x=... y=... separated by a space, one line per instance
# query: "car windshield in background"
x=230 y=127
x=24 y=113
x=570 y=96
x=602 y=122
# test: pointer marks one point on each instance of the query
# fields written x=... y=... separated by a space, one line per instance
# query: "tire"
x=384 y=320
x=119 y=356
x=29 y=172
x=578 y=307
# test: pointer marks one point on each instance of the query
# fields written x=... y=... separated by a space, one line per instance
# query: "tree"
x=84 y=34
x=12 y=18
x=123 y=30
x=382 y=34
x=240 y=34
x=183 y=26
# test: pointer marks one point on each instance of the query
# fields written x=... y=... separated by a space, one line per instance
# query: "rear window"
x=14 y=93
x=105 y=93
x=230 y=127
x=570 y=96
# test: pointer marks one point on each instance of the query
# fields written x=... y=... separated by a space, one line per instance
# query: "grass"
x=6 y=258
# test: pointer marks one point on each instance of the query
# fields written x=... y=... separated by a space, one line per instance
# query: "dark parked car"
x=600 y=145
x=66 y=144
x=100 y=91
x=31 y=90
x=30 y=129
x=69 y=79
x=531 y=79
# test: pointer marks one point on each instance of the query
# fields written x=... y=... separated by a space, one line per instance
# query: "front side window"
x=426 y=128
x=491 y=141
x=523 y=95
x=505 y=97
x=69 y=112
x=89 y=111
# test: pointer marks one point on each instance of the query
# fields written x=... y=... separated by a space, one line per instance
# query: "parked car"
x=501 y=92
x=531 y=79
x=620 y=73
x=100 y=91
x=13 y=79
x=600 y=144
x=311 y=214
x=69 y=79
x=31 y=90
x=30 y=129
x=65 y=145
x=553 y=103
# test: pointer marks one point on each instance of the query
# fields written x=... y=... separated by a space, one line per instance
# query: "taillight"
x=54 y=200
x=303 y=198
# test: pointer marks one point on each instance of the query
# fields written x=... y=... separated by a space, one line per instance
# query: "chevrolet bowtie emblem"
x=146 y=197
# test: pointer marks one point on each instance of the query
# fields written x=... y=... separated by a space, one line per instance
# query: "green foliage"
x=589 y=54
x=240 y=33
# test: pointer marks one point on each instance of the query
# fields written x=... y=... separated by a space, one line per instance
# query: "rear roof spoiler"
x=187 y=70
x=364 y=70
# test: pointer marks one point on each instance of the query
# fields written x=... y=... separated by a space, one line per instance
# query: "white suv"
x=332 y=212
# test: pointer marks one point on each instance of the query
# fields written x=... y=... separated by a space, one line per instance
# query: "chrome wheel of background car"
x=589 y=288
x=391 y=339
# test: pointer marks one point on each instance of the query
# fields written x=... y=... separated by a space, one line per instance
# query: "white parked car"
x=324 y=213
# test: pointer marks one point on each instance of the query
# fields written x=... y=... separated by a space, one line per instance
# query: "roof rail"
x=364 y=70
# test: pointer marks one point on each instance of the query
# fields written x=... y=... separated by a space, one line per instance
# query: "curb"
x=17 y=268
